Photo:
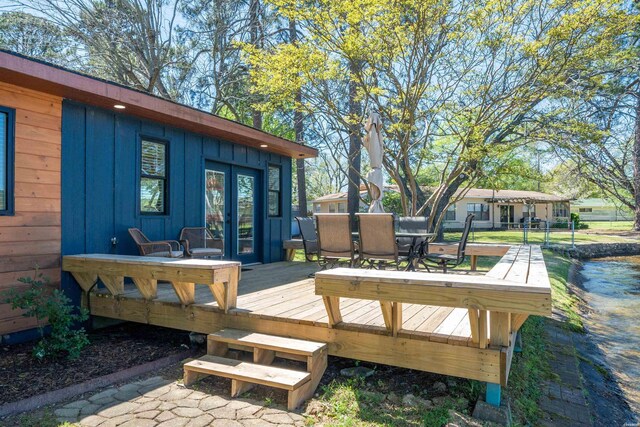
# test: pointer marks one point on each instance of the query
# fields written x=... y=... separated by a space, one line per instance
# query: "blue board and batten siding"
x=100 y=183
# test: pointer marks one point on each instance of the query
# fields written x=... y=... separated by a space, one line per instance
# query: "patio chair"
x=448 y=261
x=407 y=246
x=377 y=240
x=160 y=248
x=309 y=237
x=334 y=240
x=199 y=242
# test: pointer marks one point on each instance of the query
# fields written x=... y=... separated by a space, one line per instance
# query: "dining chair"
x=309 y=237
x=335 y=244
x=449 y=261
x=377 y=240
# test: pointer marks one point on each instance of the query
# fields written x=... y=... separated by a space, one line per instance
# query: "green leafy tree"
x=455 y=82
x=35 y=37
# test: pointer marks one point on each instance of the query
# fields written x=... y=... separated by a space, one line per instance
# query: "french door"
x=233 y=210
x=507 y=216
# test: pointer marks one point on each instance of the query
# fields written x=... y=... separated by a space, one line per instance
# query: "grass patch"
x=44 y=418
x=609 y=225
x=567 y=303
x=354 y=403
x=528 y=370
x=535 y=237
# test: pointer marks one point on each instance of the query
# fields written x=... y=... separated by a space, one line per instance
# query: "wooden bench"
x=300 y=385
x=498 y=303
x=183 y=274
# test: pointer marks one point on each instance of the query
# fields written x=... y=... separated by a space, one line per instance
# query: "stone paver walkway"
x=163 y=403
x=563 y=401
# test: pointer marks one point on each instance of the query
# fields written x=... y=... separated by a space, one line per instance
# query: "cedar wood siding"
x=100 y=183
x=31 y=237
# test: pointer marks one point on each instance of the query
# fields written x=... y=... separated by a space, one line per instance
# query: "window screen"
x=153 y=177
x=275 y=201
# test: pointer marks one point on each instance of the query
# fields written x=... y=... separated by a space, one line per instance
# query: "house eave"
x=32 y=74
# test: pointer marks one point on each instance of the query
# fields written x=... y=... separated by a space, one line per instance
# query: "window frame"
x=279 y=190
x=10 y=161
x=450 y=209
x=474 y=211
x=167 y=163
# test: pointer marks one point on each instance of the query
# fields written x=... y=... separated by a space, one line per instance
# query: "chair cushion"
x=173 y=254
x=205 y=252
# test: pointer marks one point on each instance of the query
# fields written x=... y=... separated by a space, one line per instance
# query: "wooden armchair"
x=161 y=248
x=199 y=242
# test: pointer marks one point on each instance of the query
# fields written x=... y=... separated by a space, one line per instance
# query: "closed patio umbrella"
x=375 y=147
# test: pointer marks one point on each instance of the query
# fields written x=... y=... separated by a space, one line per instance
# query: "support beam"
x=147 y=287
x=332 y=304
x=186 y=292
x=115 y=284
x=493 y=394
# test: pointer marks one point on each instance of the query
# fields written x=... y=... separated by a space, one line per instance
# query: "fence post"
x=573 y=234
x=547 y=235
x=524 y=233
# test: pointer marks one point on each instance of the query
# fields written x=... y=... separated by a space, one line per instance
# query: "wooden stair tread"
x=268 y=342
x=243 y=371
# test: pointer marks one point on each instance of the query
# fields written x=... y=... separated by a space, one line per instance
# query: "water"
x=613 y=287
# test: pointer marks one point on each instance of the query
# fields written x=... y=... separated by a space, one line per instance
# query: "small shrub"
x=52 y=307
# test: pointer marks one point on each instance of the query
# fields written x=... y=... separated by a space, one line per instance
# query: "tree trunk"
x=355 y=146
x=298 y=127
x=254 y=35
x=636 y=164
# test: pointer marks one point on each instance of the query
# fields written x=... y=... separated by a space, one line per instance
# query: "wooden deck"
x=283 y=292
x=280 y=299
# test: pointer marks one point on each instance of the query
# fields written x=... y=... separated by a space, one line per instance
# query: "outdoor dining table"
x=413 y=250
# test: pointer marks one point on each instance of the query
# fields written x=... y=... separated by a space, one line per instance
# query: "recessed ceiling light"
x=263 y=145
x=119 y=107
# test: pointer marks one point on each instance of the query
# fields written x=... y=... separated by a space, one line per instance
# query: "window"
x=153 y=177
x=342 y=207
x=317 y=208
x=7 y=123
x=274 y=191
x=585 y=210
x=450 y=214
x=481 y=210
x=560 y=210
x=529 y=211
x=332 y=207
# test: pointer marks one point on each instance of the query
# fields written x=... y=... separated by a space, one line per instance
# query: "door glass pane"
x=214 y=203
x=245 y=214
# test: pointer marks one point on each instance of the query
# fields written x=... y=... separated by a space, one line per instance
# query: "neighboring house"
x=333 y=203
x=83 y=159
x=493 y=208
x=507 y=208
x=600 y=210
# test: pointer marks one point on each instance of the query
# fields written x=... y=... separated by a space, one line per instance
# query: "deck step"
x=268 y=342
x=271 y=376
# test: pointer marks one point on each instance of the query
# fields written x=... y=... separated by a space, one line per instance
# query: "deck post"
x=492 y=396
x=517 y=347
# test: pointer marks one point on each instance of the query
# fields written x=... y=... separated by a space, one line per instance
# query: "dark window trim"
x=10 y=157
x=165 y=142
x=269 y=191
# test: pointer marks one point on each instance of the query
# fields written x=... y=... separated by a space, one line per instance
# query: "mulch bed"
x=112 y=349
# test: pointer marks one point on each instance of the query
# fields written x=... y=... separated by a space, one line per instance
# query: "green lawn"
x=534 y=237
x=610 y=225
